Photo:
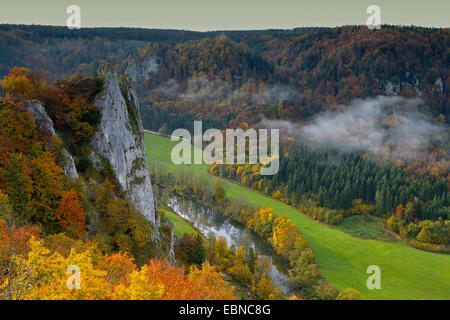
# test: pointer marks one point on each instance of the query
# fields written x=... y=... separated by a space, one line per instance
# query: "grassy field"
x=367 y=227
x=406 y=272
x=180 y=226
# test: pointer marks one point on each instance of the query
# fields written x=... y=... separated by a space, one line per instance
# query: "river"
x=211 y=223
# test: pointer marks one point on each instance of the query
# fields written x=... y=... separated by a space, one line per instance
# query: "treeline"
x=335 y=179
x=58 y=57
x=39 y=32
x=166 y=118
x=329 y=185
x=427 y=235
x=325 y=66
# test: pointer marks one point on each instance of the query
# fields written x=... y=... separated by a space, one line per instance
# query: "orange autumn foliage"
x=47 y=179
x=70 y=214
x=171 y=283
x=40 y=273
x=118 y=266
x=23 y=83
x=285 y=236
x=14 y=239
x=209 y=283
x=18 y=133
x=399 y=211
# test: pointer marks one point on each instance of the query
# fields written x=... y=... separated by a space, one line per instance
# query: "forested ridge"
x=325 y=66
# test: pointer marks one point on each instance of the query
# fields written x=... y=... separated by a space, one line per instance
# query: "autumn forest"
x=86 y=177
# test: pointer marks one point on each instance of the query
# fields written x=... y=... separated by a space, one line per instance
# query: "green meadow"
x=180 y=226
x=343 y=252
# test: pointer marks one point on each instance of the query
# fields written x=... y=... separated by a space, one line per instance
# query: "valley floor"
x=406 y=272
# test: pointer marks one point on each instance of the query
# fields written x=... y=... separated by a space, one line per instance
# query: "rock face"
x=411 y=82
x=120 y=140
x=141 y=70
x=68 y=164
x=2 y=92
x=43 y=121
x=439 y=85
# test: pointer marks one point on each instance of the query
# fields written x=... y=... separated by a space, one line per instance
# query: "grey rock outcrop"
x=2 y=92
x=96 y=161
x=120 y=140
x=43 y=121
x=439 y=85
x=68 y=164
x=142 y=70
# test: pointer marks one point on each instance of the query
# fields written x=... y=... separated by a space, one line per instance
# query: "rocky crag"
x=119 y=139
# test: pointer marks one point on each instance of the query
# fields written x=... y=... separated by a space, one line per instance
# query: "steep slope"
x=87 y=128
x=119 y=139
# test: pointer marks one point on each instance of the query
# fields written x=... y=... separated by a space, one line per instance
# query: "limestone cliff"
x=117 y=145
x=119 y=139
x=142 y=70
x=43 y=121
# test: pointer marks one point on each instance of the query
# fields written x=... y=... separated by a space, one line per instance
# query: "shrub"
x=84 y=163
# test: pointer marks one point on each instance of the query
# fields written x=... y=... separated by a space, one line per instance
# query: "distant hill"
x=318 y=67
x=344 y=63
